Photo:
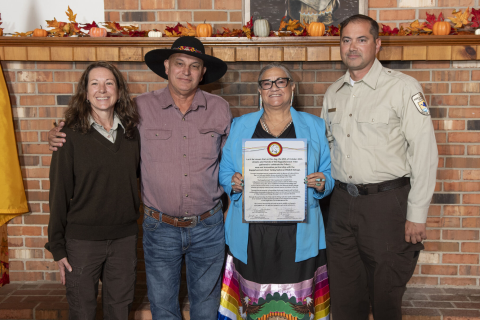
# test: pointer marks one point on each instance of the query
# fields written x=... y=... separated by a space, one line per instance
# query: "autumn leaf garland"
x=460 y=19
x=291 y=28
x=73 y=28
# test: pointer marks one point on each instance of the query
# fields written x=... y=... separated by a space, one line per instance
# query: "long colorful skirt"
x=272 y=286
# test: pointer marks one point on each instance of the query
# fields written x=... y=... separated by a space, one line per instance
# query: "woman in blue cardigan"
x=276 y=268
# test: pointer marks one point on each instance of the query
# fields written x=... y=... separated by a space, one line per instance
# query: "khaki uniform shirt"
x=380 y=129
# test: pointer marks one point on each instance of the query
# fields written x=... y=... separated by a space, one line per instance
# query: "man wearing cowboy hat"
x=182 y=130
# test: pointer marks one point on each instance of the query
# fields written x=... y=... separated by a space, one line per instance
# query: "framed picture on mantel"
x=327 y=11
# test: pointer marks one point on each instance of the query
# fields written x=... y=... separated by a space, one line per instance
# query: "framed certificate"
x=274 y=189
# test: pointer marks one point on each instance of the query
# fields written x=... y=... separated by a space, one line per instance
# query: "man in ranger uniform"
x=384 y=161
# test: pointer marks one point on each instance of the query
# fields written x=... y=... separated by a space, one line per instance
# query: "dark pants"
x=369 y=261
x=112 y=261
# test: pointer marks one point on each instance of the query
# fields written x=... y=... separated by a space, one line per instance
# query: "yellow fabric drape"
x=13 y=201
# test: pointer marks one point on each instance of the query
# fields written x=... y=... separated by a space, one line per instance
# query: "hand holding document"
x=274 y=172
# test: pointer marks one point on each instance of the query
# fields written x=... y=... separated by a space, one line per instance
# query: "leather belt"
x=181 y=222
x=365 y=189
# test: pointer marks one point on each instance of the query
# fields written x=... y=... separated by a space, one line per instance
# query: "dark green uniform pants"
x=369 y=261
x=112 y=261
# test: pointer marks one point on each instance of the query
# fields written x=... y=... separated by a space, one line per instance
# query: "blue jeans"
x=203 y=247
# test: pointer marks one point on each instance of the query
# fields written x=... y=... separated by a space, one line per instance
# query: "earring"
x=88 y=101
x=291 y=101
x=260 y=102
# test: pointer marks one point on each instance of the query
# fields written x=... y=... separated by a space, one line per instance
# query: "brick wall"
x=40 y=92
x=396 y=13
x=149 y=14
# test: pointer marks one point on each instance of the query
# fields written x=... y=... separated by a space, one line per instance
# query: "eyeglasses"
x=268 y=84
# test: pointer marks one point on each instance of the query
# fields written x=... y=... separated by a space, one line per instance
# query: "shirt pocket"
x=208 y=144
x=160 y=146
x=334 y=120
x=336 y=130
x=373 y=126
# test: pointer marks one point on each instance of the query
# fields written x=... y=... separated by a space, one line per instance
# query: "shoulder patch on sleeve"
x=419 y=102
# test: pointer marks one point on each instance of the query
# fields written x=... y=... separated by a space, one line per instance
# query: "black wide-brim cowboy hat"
x=191 y=46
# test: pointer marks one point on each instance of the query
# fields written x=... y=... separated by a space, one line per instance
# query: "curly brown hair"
x=78 y=111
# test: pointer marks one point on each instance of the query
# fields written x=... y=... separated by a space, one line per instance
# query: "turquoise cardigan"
x=310 y=235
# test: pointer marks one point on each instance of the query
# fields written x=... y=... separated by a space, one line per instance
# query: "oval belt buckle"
x=352 y=190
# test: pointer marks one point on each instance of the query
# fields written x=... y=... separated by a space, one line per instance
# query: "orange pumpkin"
x=316 y=29
x=204 y=30
x=98 y=32
x=442 y=28
x=40 y=33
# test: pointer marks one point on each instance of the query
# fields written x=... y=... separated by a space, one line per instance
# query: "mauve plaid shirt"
x=180 y=153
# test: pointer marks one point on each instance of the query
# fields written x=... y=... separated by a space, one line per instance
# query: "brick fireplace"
x=41 y=76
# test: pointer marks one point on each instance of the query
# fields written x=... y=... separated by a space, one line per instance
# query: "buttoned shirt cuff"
x=417 y=215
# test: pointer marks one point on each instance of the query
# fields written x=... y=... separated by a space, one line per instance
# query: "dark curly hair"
x=78 y=111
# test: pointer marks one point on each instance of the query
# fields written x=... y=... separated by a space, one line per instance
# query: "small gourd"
x=261 y=28
x=204 y=30
x=316 y=29
x=477 y=32
x=40 y=32
x=98 y=32
x=154 y=34
x=1 y=32
x=441 y=28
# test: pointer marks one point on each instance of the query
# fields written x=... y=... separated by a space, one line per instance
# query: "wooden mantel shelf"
x=237 y=49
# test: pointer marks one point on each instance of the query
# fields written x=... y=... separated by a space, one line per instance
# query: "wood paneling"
x=464 y=52
x=84 y=54
x=226 y=54
x=318 y=54
x=439 y=53
x=148 y=49
x=414 y=53
x=236 y=49
x=247 y=54
x=108 y=53
x=390 y=53
x=335 y=54
x=271 y=54
x=38 y=53
x=131 y=54
x=61 y=54
x=294 y=54
x=15 y=53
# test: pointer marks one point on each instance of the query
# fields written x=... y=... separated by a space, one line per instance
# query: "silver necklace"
x=265 y=127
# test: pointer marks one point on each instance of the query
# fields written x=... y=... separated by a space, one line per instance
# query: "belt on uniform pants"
x=372 y=188
x=182 y=222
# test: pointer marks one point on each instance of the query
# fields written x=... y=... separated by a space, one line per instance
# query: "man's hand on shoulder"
x=56 y=138
x=415 y=232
